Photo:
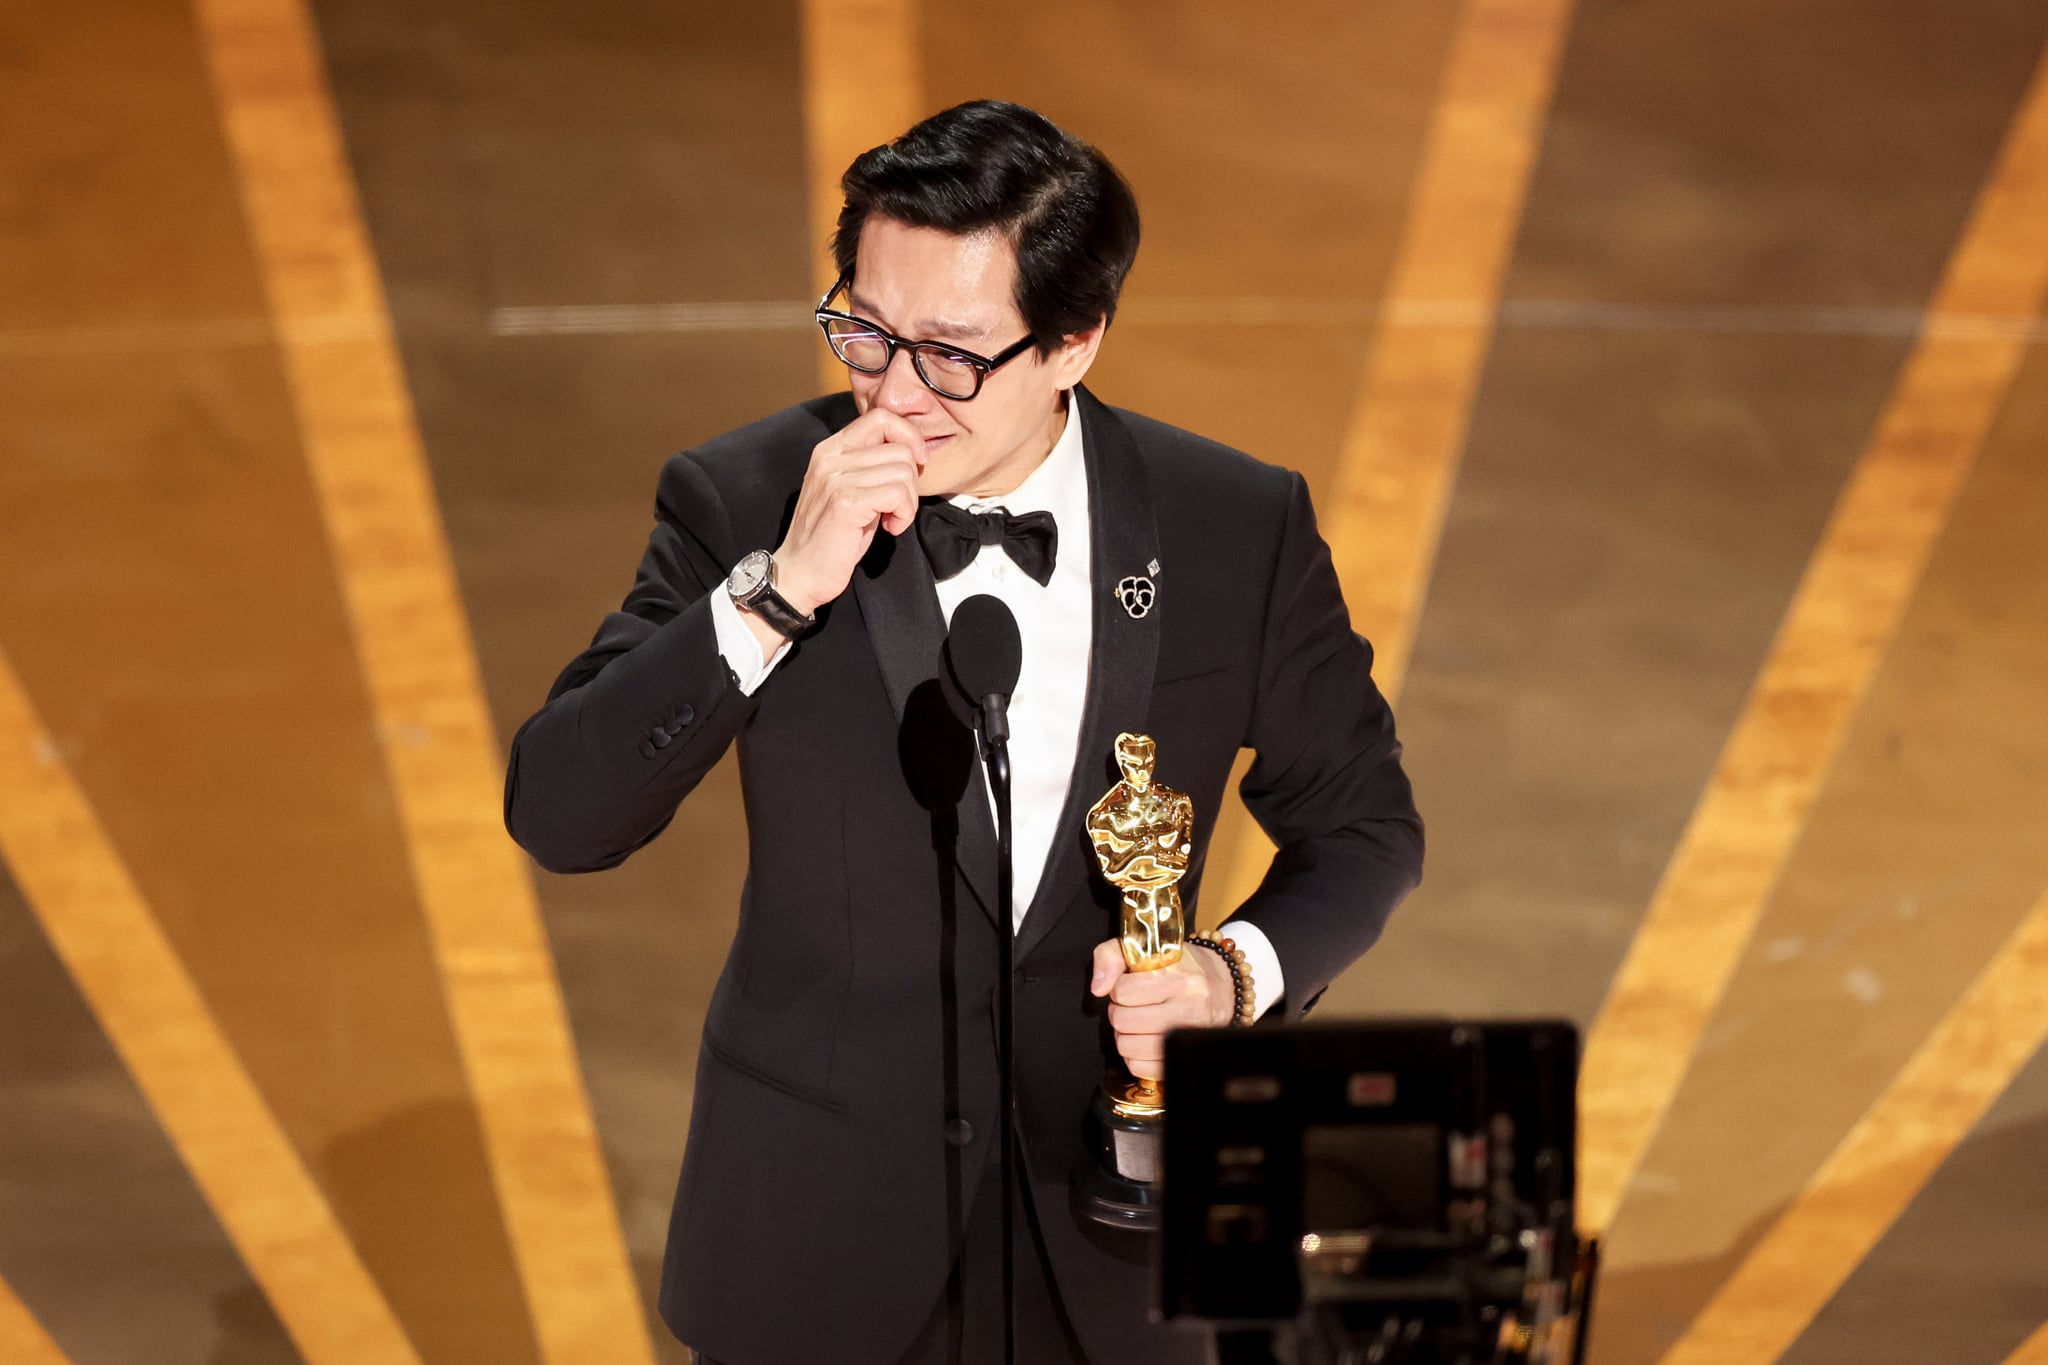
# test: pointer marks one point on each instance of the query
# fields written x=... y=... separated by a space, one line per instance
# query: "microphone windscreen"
x=984 y=652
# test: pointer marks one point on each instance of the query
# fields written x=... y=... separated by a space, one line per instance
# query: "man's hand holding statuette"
x=1195 y=992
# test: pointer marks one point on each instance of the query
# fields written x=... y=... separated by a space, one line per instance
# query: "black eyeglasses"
x=945 y=369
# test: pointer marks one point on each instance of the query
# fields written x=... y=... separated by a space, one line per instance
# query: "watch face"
x=748 y=574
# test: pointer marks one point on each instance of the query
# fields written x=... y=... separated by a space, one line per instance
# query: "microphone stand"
x=996 y=750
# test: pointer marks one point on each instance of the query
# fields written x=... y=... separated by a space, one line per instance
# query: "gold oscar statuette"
x=1143 y=835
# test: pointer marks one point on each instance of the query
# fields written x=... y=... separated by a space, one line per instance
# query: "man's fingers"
x=870 y=428
x=860 y=472
x=885 y=455
x=1183 y=1011
x=831 y=485
x=1142 y=1047
x=1136 y=1019
x=879 y=489
x=901 y=432
x=890 y=494
x=1144 y=988
x=1109 y=965
x=879 y=426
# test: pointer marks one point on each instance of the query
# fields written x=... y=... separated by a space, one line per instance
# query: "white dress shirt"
x=1056 y=623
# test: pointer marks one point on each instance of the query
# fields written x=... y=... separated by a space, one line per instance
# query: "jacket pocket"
x=1192 y=672
x=735 y=1060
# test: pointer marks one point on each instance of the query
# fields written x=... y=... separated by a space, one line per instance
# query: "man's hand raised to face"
x=861 y=478
x=1195 y=992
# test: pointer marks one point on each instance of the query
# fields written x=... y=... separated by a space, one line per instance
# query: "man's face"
x=926 y=285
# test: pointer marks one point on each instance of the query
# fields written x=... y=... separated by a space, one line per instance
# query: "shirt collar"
x=1059 y=485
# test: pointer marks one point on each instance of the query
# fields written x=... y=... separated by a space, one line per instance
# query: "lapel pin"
x=1137 y=594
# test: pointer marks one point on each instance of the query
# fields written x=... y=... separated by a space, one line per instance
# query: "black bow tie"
x=953 y=536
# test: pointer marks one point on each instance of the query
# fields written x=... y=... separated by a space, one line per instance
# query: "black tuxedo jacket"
x=846 y=1091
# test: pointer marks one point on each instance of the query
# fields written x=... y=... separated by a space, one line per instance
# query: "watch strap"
x=775 y=609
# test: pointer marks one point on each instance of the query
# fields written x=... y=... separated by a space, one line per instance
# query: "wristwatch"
x=751 y=585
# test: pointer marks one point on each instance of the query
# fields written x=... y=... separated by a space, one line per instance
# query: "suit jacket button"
x=646 y=749
x=684 y=715
x=959 y=1132
x=660 y=739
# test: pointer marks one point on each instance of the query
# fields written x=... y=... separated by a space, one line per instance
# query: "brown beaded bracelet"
x=1240 y=976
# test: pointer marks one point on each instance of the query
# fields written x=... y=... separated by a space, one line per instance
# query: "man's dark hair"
x=1063 y=208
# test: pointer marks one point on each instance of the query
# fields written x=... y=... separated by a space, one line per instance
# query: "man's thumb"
x=1109 y=965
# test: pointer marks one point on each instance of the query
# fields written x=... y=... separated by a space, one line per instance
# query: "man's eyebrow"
x=954 y=331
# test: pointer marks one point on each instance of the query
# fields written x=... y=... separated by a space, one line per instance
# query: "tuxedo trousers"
x=966 y=1325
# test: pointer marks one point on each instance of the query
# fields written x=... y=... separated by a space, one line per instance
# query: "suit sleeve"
x=636 y=720
x=1326 y=782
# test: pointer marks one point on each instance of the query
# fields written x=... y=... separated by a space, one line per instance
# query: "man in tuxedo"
x=839 y=1197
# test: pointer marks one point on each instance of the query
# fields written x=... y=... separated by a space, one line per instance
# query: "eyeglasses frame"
x=983 y=366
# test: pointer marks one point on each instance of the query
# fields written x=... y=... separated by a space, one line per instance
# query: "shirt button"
x=1001 y=571
x=959 y=1132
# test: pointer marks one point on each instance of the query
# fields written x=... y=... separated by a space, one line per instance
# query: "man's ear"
x=1076 y=353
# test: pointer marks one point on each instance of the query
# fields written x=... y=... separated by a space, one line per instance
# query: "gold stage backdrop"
x=1670 y=380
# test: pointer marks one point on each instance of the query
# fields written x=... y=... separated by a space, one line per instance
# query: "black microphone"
x=984 y=653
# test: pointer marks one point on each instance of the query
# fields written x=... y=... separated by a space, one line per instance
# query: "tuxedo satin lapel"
x=907 y=630
x=1124 y=541
x=900 y=606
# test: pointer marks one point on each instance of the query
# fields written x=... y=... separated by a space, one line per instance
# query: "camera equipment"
x=1377 y=1193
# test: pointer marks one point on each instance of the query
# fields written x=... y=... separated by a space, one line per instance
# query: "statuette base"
x=1118 y=1184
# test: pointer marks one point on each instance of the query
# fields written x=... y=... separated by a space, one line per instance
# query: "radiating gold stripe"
x=22 y=1339
x=377 y=501
x=1400 y=454
x=2032 y=1351
x=1839 y=625
x=863 y=85
x=1933 y=1103
x=1407 y=429
x=97 y=922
